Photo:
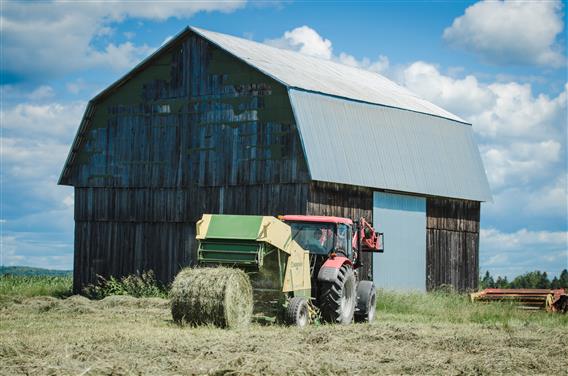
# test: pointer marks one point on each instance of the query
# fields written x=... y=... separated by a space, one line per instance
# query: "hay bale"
x=218 y=296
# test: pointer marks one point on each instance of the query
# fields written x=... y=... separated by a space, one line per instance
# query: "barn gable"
x=171 y=123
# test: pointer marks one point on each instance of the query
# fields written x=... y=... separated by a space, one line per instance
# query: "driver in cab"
x=315 y=243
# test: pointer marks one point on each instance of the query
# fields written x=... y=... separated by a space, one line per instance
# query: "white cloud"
x=32 y=249
x=56 y=120
x=519 y=163
x=510 y=254
x=306 y=40
x=522 y=136
x=121 y=56
x=42 y=92
x=541 y=205
x=47 y=38
x=511 y=32
x=550 y=199
x=15 y=93
x=518 y=113
x=38 y=212
x=381 y=65
x=463 y=96
x=31 y=159
x=75 y=87
x=129 y=34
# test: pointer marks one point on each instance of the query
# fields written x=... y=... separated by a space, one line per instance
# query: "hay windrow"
x=218 y=296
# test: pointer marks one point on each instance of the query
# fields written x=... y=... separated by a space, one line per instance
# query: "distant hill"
x=28 y=270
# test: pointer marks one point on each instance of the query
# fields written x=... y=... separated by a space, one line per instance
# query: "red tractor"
x=335 y=245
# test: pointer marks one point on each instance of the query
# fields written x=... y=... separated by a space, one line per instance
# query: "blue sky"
x=499 y=65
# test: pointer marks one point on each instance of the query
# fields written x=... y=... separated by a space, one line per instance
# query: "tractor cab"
x=332 y=241
x=322 y=236
x=330 y=236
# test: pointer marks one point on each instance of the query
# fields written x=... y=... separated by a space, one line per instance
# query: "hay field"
x=414 y=334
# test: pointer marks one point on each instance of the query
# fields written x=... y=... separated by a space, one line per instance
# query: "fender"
x=330 y=268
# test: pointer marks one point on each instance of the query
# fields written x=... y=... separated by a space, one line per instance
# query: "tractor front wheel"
x=366 y=302
x=297 y=312
x=337 y=298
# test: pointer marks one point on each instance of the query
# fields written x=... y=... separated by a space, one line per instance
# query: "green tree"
x=555 y=284
x=487 y=281
x=563 y=280
x=502 y=283
x=544 y=282
x=531 y=280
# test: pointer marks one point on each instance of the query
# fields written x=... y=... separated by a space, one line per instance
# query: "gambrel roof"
x=356 y=127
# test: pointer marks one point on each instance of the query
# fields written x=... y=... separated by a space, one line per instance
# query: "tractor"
x=301 y=268
x=335 y=245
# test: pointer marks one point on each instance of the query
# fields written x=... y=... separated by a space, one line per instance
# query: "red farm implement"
x=550 y=300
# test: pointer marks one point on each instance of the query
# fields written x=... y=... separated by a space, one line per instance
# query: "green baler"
x=262 y=246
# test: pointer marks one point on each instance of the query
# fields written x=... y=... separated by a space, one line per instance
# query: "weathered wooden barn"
x=212 y=123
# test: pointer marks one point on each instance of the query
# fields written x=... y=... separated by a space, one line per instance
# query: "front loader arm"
x=367 y=238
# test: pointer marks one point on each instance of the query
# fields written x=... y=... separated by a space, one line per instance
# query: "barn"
x=212 y=123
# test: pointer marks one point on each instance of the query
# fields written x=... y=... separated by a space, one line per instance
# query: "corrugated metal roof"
x=362 y=144
x=297 y=70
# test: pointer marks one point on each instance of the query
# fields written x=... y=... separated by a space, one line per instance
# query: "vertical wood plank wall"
x=452 y=237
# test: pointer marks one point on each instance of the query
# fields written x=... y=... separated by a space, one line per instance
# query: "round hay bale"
x=218 y=296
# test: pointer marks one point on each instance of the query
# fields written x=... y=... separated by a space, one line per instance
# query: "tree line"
x=530 y=280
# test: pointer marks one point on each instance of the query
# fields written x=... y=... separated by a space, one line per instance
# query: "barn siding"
x=452 y=237
x=186 y=205
x=123 y=231
x=108 y=248
x=340 y=200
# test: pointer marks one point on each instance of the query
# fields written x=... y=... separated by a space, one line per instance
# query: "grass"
x=413 y=334
x=140 y=285
x=36 y=285
x=457 y=309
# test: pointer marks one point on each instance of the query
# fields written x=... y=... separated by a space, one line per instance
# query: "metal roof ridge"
x=309 y=57
x=375 y=104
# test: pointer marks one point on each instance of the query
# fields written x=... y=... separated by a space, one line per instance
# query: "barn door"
x=402 y=219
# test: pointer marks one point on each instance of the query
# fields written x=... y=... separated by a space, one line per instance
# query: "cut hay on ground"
x=417 y=334
x=218 y=296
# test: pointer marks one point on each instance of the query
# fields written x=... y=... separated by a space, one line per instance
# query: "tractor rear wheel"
x=337 y=298
x=366 y=302
x=297 y=312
